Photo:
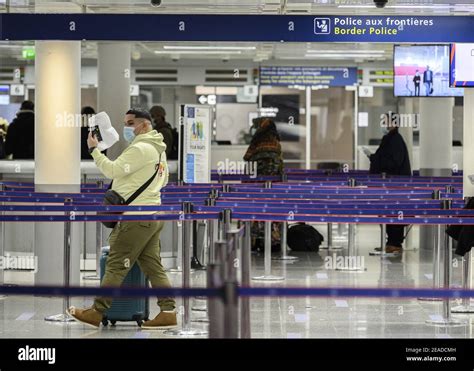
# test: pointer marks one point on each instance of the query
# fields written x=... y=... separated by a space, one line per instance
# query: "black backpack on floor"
x=303 y=237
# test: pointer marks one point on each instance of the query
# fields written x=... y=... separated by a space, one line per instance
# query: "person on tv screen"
x=428 y=81
x=416 y=81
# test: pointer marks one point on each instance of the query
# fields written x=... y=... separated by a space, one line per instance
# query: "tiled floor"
x=281 y=317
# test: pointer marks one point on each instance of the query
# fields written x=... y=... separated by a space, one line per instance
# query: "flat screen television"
x=422 y=70
x=461 y=65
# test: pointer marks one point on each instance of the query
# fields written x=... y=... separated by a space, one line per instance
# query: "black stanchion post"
x=64 y=317
x=446 y=319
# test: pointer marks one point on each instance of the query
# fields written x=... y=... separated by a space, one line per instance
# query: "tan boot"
x=163 y=320
x=389 y=249
x=88 y=316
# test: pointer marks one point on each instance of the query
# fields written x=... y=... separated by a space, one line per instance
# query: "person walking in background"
x=86 y=113
x=391 y=158
x=264 y=154
x=20 y=139
x=428 y=81
x=158 y=114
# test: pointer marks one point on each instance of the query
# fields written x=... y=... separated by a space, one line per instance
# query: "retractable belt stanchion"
x=245 y=301
x=283 y=244
x=186 y=329
x=180 y=243
x=466 y=306
x=353 y=261
x=330 y=243
x=64 y=316
x=231 y=300
x=446 y=319
x=98 y=243
x=216 y=304
x=2 y=242
x=268 y=251
x=84 y=232
x=438 y=238
x=381 y=250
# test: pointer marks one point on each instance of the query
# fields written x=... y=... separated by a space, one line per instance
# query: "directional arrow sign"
x=202 y=99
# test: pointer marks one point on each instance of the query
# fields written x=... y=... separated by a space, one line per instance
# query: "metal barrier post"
x=283 y=244
x=381 y=250
x=446 y=319
x=353 y=263
x=438 y=237
x=466 y=306
x=245 y=302
x=64 y=316
x=216 y=304
x=180 y=244
x=231 y=310
x=267 y=276
x=2 y=242
x=98 y=243
x=186 y=329
x=330 y=243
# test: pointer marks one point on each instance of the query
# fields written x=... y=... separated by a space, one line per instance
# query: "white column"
x=468 y=142
x=436 y=136
x=57 y=149
x=113 y=94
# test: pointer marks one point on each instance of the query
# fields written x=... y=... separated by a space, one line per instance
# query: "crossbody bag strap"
x=144 y=186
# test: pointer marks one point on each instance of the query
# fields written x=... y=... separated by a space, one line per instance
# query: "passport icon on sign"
x=322 y=26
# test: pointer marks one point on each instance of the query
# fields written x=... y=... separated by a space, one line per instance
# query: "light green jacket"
x=135 y=166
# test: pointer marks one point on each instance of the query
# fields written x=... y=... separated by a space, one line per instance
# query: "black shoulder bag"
x=113 y=198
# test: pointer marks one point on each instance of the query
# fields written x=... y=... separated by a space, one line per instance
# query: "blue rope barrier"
x=241 y=291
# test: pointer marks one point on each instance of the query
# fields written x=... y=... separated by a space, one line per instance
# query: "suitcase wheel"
x=113 y=322
x=140 y=322
x=105 y=322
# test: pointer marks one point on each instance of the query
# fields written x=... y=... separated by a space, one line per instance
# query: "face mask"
x=128 y=133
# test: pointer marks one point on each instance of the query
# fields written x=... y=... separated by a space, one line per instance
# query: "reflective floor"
x=282 y=317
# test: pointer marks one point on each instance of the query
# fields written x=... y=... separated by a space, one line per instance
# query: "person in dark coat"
x=392 y=158
x=158 y=114
x=86 y=113
x=264 y=155
x=20 y=139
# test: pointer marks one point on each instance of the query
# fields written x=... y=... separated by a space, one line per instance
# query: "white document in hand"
x=108 y=133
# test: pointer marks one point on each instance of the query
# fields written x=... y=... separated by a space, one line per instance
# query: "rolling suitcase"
x=126 y=309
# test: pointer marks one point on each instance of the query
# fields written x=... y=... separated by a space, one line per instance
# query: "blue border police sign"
x=234 y=28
